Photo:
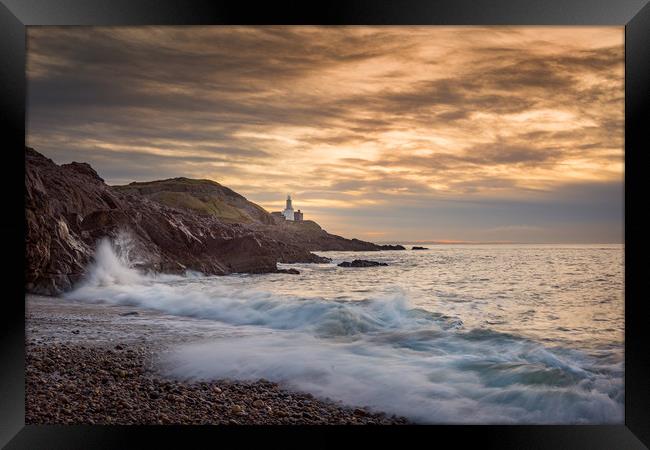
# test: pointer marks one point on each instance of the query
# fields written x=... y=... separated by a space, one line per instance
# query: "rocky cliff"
x=167 y=226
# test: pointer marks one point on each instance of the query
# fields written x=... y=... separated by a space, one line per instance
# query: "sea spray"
x=114 y=264
x=111 y=266
x=125 y=245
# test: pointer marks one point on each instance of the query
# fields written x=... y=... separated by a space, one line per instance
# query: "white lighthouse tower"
x=288 y=211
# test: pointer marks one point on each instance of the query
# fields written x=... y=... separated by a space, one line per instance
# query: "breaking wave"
x=382 y=352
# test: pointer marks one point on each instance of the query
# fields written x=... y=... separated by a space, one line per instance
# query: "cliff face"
x=170 y=225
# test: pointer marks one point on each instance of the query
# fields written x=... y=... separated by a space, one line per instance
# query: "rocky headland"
x=170 y=226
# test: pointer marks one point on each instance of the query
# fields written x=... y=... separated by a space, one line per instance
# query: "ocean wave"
x=111 y=280
x=382 y=352
x=475 y=383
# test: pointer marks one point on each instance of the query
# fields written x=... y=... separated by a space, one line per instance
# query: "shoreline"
x=79 y=372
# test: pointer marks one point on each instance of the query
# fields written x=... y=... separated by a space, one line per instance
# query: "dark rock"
x=391 y=247
x=130 y=313
x=309 y=235
x=83 y=169
x=291 y=271
x=419 y=248
x=361 y=263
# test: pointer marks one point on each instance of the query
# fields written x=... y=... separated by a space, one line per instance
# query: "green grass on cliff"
x=212 y=206
x=195 y=195
x=305 y=225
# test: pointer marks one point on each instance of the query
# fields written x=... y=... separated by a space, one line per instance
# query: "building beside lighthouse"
x=288 y=213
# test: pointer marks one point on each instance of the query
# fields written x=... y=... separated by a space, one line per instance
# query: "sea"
x=454 y=334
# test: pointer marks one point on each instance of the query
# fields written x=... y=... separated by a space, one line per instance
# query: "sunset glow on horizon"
x=381 y=133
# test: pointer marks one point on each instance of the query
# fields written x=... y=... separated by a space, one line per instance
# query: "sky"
x=428 y=133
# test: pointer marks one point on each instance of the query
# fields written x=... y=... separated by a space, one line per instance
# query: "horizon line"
x=458 y=242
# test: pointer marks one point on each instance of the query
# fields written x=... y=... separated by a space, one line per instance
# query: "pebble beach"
x=79 y=372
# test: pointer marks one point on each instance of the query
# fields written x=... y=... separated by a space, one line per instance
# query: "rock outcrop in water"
x=361 y=263
x=167 y=226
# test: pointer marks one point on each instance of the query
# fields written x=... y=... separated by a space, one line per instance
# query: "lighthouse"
x=288 y=211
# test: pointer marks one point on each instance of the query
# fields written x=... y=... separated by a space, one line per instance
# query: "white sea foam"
x=381 y=351
x=459 y=382
x=111 y=268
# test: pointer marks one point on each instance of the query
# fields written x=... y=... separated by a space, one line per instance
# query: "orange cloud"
x=343 y=117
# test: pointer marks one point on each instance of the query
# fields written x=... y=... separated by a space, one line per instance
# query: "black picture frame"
x=15 y=15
